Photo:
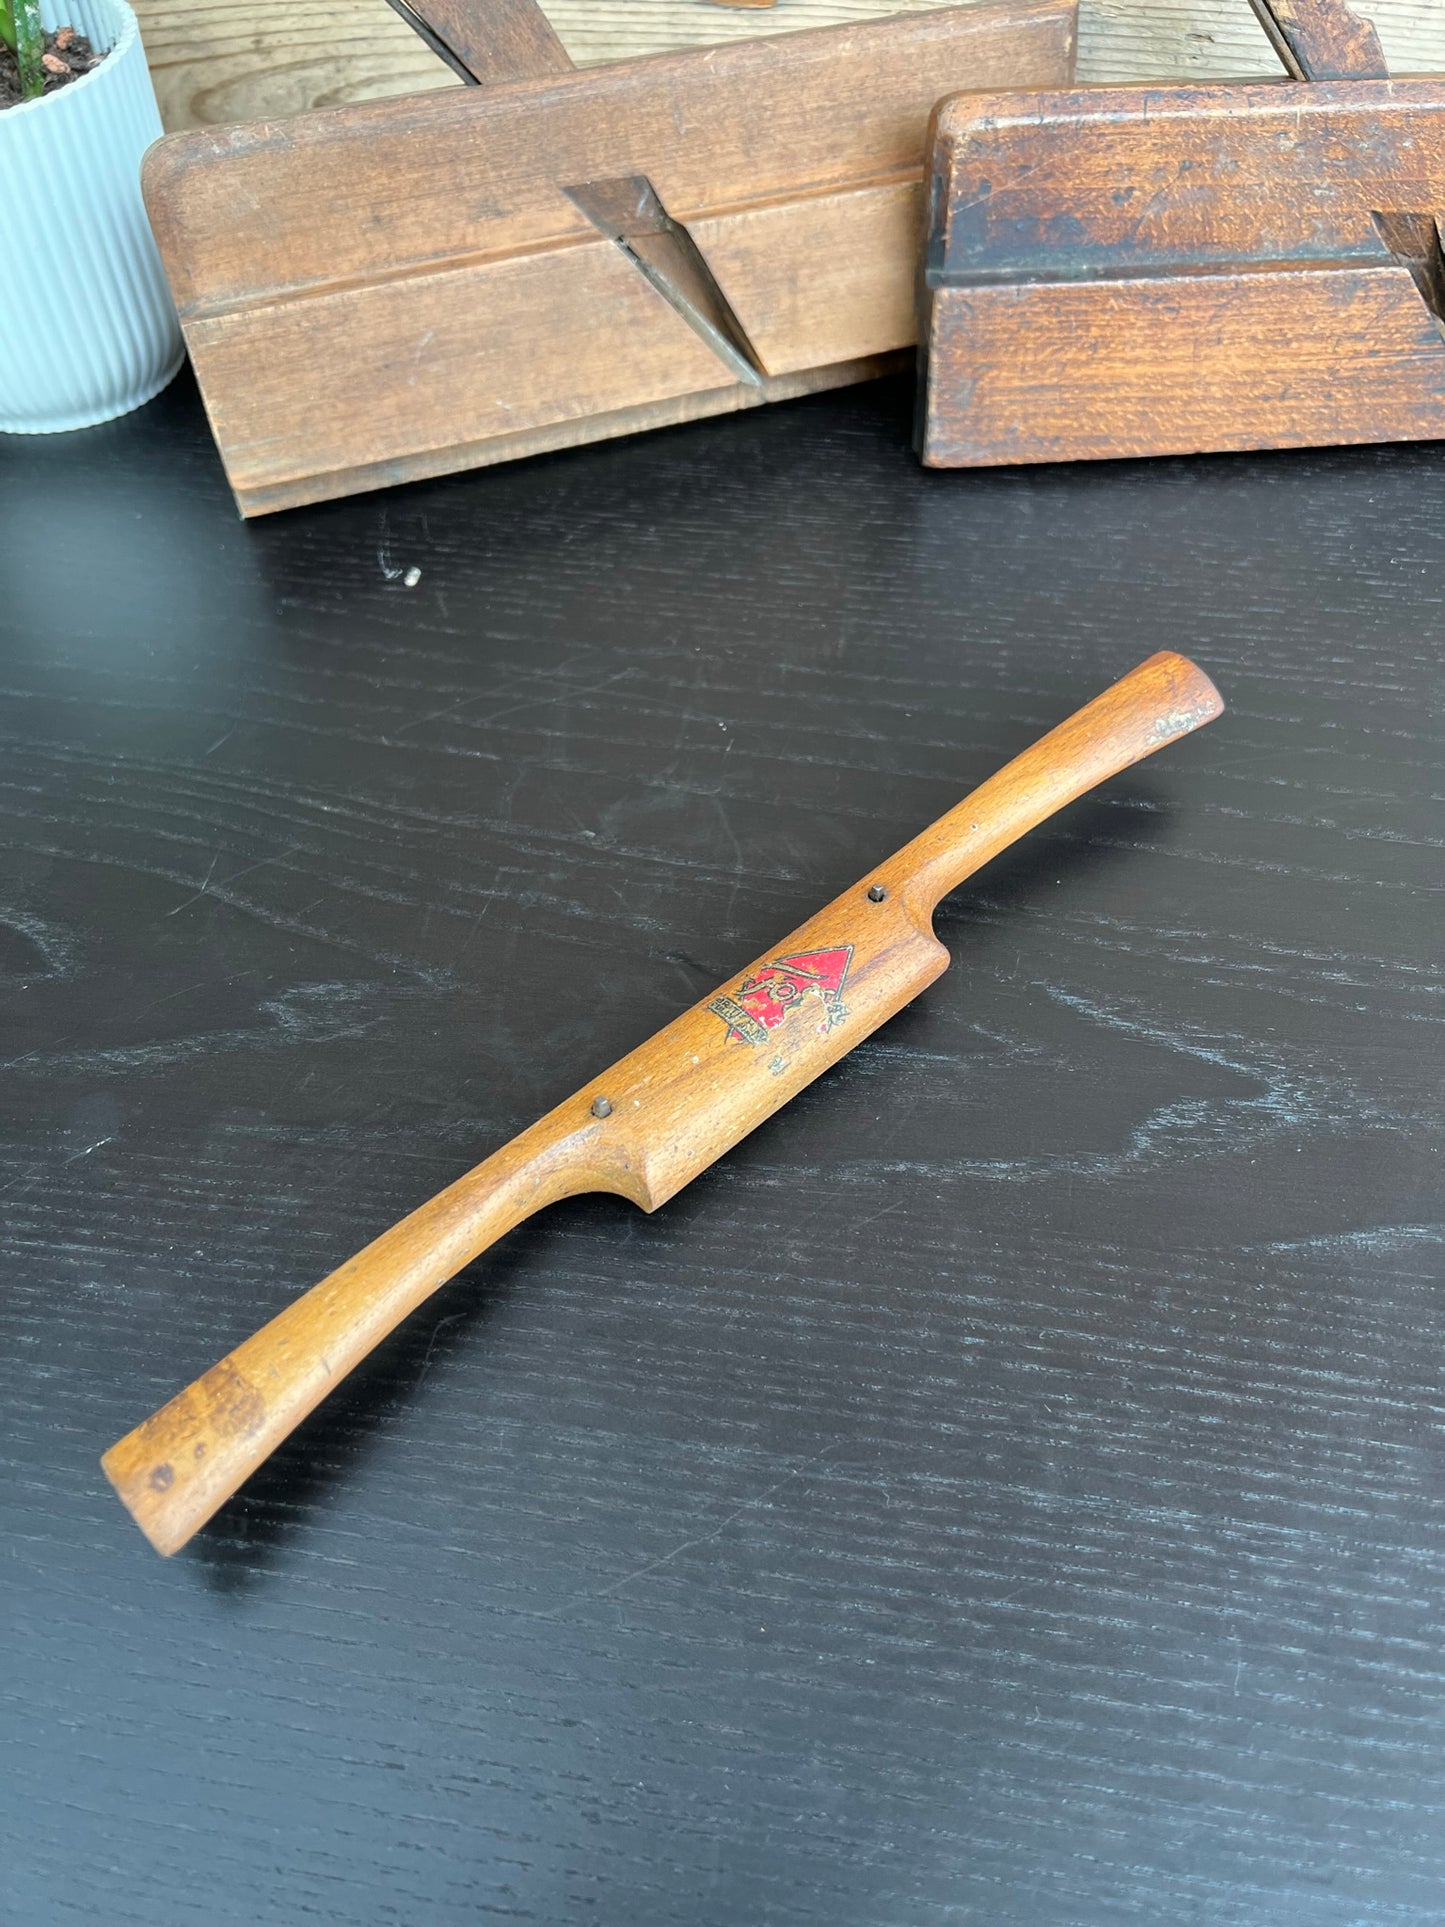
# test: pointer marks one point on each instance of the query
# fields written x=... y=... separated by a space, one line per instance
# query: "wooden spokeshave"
x=654 y=1121
x=1166 y=270
x=405 y=287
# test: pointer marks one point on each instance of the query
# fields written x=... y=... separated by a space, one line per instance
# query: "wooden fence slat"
x=223 y=60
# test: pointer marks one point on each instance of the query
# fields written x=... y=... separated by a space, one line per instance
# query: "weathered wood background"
x=219 y=60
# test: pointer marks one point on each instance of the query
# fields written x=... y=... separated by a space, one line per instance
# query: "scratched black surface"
x=1009 y=1487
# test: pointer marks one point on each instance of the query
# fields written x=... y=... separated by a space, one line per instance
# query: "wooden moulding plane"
x=1167 y=270
x=404 y=287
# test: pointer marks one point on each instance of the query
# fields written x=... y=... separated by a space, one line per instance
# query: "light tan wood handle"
x=179 y=1466
x=654 y=1120
x=1154 y=705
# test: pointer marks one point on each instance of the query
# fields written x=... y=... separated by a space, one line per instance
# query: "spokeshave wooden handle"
x=655 y=1120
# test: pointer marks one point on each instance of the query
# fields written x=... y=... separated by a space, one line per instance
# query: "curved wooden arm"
x=178 y=1467
x=1154 y=705
x=655 y=1119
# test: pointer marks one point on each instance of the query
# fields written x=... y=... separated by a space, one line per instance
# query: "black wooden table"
x=1008 y=1488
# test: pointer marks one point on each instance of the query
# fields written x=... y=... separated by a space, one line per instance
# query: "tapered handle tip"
x=1191 y=698
x=139 y=1488
x=180 y=1465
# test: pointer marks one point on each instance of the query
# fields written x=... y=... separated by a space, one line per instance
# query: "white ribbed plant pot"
x=87 y=329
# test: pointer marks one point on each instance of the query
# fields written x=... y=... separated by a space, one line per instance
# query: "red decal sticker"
x=810 y=980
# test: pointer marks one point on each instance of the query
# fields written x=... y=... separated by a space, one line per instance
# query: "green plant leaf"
x=29 y=46
x=7 y=25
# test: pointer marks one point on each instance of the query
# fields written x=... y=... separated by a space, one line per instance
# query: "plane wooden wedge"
x=1154 y=270
x=656 y=1119
x=404 y=287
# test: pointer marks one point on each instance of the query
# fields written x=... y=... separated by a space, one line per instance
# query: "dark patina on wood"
x=1145 y=271
x=505 y=40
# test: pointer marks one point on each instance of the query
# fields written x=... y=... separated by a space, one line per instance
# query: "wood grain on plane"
x=400 y=287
